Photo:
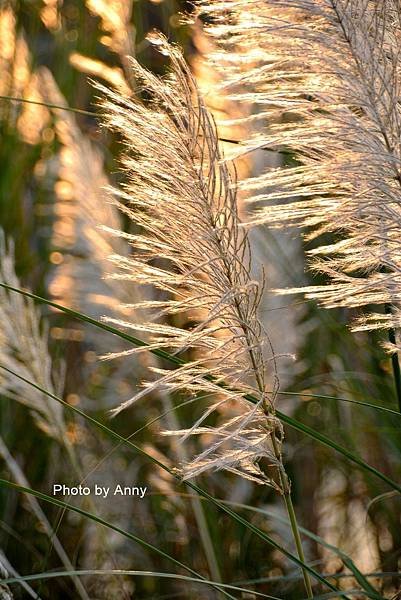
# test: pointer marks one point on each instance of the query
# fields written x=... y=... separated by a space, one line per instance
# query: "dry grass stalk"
x=325 y=75
x=194 y=251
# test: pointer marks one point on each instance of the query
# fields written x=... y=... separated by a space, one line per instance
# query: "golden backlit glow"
x=34 y=118
x=115 y=18
x=49 y=14
x=113 y=75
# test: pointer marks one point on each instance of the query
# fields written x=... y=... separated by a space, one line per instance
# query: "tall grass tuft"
x=194 y=251
x=325 y=77
x=301 y=73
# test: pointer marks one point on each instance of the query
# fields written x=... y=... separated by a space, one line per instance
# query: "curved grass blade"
x=189 y=484
x=340 y=399
x=178 y=361
x=99 y=324
x=49 y=105
x=162 y=575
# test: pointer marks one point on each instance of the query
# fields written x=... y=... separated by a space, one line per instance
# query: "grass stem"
x=394 y=360
x=286 y=487
x=298 y=542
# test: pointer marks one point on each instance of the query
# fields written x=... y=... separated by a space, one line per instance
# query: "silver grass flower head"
x=83 y=211
x=24 y=350
x=82 y=207
x=325 y=76
x=190 y=247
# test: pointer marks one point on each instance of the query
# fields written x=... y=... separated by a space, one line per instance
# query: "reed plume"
x=82 y=203
x=325 y=77
x=193 y=250
x=119 y=37
x=24 y=350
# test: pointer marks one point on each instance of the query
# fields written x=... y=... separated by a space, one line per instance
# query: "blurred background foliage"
x=54 y=165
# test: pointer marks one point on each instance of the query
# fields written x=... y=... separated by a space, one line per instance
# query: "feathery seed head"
x=23 y=349
x=191 y=248
x=325 y=75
